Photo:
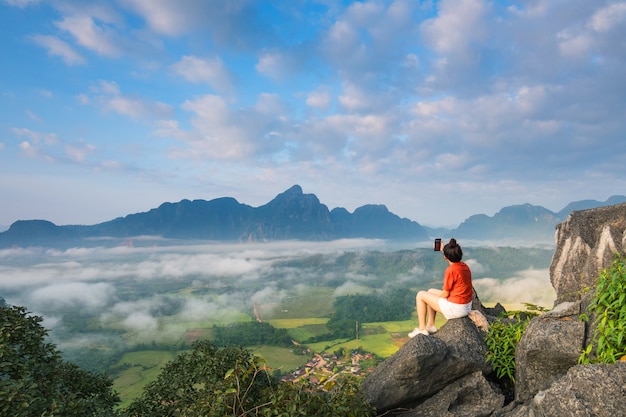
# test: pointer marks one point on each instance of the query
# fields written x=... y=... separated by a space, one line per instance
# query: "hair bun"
x=452 y=243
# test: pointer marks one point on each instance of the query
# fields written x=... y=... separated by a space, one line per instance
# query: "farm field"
x=136 y=369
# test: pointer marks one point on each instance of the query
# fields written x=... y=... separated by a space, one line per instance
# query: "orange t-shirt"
x=457 y=280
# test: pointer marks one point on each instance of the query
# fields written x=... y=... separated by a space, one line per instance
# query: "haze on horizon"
x=438 y=109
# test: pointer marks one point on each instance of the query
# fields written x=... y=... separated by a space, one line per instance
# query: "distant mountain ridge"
x=291 y=215
x=524 y=221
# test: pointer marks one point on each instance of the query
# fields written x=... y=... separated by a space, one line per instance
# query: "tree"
x=35 y=381
x=216 y=382
x=205 y=381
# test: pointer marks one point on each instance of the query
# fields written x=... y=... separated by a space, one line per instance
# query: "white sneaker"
x=417 y=331
x=432 y=329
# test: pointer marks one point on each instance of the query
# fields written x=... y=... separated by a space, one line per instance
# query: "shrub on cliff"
x=609 y=308
x=503 y=337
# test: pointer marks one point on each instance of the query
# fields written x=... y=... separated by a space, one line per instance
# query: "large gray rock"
x=589 y=390
x=468 y=396
x=597 y=390
x=551 y=344
x=585 y=243
x=425 y=365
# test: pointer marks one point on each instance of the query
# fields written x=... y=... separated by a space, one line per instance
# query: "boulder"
x=551 y=344
x=469 y=396
x=597 y=390
x=585 y=244
x=425 y=365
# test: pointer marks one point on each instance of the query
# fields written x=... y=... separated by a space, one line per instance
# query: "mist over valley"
x=101 y=301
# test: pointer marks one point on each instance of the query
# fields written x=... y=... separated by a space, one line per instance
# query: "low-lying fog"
x=155 y=291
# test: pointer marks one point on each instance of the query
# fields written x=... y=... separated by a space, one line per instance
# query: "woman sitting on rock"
x=453 y=301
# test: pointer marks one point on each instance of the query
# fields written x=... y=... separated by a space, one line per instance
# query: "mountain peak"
x=295 y=189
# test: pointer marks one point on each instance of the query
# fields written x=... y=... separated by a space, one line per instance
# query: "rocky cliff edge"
x=446 y=374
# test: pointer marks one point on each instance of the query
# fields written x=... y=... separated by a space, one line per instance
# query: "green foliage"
x=503 y=337
x=213 y=382
x=250 y=334
x=34 y=381
x=609 y=308
x=394 y=305
x=204 y=382
x=333 y=397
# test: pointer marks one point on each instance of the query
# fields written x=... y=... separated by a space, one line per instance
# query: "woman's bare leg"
x=432 y=313
x=427 y=303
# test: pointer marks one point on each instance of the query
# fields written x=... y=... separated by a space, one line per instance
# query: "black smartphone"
x=437 y=246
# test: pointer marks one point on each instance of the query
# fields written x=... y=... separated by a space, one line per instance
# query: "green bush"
x=503 y=337
x=609 y=307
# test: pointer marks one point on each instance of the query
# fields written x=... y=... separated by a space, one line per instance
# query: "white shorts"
x=453 y=310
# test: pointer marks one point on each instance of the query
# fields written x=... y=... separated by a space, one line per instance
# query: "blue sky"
x=437 y=109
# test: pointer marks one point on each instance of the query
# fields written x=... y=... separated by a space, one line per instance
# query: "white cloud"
x=33 y=116
x=276 y=65
x=75 y=294
x=21 y=3
x=37 y=137
x=57 y=47
x=476 y=267
x=224 y=133
x=141 y=322
x=268 y=295
x=210 y=71
x=78 y=152
x=164 y=16
x=605 y=19
x=109 y=95
x=98 y=38
x=178 y=265
x=137 y=108
x=319 y=99
x=354 y=98
x=232 y=23
x=351 y=288
x=532 y=286
x=458 y=24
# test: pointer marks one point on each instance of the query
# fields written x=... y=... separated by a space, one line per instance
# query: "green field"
x=280 y=358
x=303 y=303
x=136 y=369
x=382 y=339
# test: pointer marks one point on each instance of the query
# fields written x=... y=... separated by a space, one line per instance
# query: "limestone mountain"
x=290 y=215
x=524 y=221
